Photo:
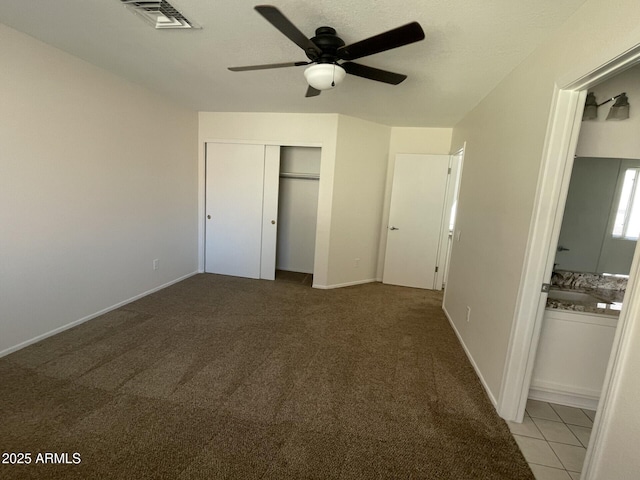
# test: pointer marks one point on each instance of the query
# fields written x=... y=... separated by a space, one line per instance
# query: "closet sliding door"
x=241 y=209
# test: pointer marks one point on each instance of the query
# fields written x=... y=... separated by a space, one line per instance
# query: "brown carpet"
x=219 y=377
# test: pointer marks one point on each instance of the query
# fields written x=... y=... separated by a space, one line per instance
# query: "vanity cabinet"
x=572 y=357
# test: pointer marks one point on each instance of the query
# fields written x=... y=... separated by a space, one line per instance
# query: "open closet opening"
x=297 y=213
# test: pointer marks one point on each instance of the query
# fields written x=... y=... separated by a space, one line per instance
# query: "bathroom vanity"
x=576 y=338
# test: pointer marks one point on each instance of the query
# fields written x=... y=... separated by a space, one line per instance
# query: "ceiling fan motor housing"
x=327 y=41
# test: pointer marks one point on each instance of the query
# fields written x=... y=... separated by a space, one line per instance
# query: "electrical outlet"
x=356 y=262
x=156 y=264
x=468 y=313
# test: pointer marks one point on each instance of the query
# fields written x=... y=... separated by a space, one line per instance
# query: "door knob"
x=209 y=217
x=273 y=222
x=394 y=228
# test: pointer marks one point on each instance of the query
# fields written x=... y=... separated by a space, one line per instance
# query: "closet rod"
x=303 y=176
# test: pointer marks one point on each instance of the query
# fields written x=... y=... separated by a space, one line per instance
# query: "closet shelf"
x=302 y=176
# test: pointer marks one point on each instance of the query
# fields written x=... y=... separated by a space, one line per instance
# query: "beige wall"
x=98 y=178
x=408 y=140
x=505 y=137
x=358 y=198
x=420 y=140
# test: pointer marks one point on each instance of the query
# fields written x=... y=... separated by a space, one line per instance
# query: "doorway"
x=587 y=285
x=595 y=249
x=564 y=127
x=297 y=213
x=449 y=216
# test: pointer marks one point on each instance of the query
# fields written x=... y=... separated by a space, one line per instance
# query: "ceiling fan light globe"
x=324 y=76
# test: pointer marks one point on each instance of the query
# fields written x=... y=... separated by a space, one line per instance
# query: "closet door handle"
x=394 y=228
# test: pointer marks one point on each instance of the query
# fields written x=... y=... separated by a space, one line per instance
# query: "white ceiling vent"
x=160 y=14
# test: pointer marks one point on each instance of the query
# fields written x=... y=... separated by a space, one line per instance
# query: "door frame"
x=451 y=195
x=555 y=171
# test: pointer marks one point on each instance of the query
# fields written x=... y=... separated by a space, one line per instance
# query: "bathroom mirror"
x=600 y=225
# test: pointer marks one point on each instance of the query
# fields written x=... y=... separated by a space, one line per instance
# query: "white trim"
x=445 y=259
x=611 y=67
x=347 y=284
x=562 y=137
x=274 y=143
x=629 y=319
x=471 y=360
x=443 y=241
x=610 y=321
x=55 y=331
x=552 y=393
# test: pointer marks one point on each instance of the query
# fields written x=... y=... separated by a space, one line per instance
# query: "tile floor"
x=553 y=439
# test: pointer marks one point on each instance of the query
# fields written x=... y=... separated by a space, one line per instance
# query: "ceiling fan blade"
x=409 y=33
x=373 y=73
x=312 y=92
x=267 y=66
x=282 y=23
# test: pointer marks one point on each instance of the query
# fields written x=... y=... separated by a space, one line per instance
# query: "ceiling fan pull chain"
x=333 y=83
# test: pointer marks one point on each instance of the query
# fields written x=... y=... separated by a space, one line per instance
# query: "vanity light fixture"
x=619 y=110
x=590 y=107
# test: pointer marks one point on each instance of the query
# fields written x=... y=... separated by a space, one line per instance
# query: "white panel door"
x=270 y=212
x=415 y=219
x=234 y=197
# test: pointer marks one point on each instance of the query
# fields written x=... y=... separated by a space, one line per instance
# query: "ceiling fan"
x=326 y=48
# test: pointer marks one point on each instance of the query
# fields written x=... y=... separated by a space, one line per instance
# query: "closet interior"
x=297 y=209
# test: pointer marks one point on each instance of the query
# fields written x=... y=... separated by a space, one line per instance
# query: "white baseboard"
x=564 y=396
x=37 y=338
x=348 y=284
x=471 y=360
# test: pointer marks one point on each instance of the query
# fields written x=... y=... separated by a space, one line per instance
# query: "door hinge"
x=449 y=171
x=545 y=288
x=436 y=269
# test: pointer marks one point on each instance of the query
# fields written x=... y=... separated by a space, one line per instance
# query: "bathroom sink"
x=572 y=296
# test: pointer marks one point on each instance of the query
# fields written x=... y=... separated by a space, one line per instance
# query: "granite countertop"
x=606 y=301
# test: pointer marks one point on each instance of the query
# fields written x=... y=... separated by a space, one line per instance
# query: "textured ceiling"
x=470 y=46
